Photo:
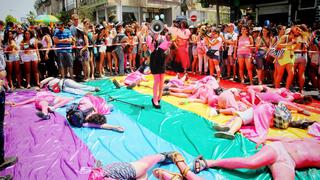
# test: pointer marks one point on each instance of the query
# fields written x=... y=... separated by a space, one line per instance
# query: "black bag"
x=211 y=53
x=75 y=116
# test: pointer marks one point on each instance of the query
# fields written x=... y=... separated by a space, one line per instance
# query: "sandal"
x=197 y=165
x=159 y=174
x=176 y=157
x=218 y=127
x=167 y=159
x=224 y=135
x=116 y=83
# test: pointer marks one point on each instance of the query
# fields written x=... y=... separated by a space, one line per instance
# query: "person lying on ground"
x=276 y=96
x=262 y=116
x=57 y=85
x=282 y=156
x=46 y=102
x=90 y=112
x=131 y=80
x=131 y=170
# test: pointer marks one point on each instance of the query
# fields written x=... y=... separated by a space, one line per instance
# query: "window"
x=307 y=4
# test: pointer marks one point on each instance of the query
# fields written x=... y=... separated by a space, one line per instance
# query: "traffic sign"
x=193 y=18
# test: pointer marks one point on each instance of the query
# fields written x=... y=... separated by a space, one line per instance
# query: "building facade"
x=138 y=10
x=283 y=11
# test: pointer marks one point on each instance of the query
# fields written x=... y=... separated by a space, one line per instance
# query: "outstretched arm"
x=45 y=81
x=112 y=127
x=24 y=102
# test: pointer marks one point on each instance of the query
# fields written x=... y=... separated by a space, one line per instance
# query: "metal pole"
x=218 y=13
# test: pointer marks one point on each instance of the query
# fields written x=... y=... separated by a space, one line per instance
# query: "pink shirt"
x=243 y=42
x=98 y=103
x=44 y=96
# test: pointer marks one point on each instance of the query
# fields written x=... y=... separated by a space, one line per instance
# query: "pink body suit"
x=98 y=103
x=44 y=96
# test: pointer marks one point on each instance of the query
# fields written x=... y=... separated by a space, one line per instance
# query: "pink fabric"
x=183 y=44
x=135 y=77
x=314 y=129
x=149 y=43
x=226 y=100
x=177 y=82
x=243 y=42
x=44 y=96
x=98 y=103
x=182 y=54
x=263 y=120
x=213 y=100
x=209 y=80
x=271 y=97
x=165 y=45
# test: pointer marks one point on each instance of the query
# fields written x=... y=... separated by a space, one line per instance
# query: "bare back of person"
x=305 y=153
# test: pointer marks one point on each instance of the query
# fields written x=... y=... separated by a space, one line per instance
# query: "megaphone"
x=157 y=26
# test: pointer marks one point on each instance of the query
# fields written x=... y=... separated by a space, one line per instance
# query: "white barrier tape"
x=74 y=47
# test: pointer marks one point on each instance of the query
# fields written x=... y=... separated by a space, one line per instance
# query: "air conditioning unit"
x=307 y=4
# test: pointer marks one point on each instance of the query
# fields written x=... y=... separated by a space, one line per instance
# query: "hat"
x=119 y=24
x=59 y=23
x=256 y=29
x=288 y=30
x=192 y=27
x=80 y=28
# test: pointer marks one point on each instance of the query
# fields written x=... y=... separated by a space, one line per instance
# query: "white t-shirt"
x=231 y=36
x=216 y=46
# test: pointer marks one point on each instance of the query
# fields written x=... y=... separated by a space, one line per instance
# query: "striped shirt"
x=66 y=33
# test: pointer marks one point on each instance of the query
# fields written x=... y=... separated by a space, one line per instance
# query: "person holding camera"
x=214 y=44
x=286 y=61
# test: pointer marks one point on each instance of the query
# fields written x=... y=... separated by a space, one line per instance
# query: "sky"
x=17 y=8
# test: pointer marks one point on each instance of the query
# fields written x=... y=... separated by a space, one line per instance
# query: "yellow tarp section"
x=203 y=110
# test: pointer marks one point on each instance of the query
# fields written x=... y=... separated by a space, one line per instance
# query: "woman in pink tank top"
x=243 y=52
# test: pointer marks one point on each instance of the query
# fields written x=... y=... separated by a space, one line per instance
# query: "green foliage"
x=10 y=18
x=63 y=16
x=31 y=16
x=86 y=12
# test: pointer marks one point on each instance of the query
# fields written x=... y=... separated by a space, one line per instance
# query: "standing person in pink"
x=182 y=41
x=157 y=66
x=242 y=51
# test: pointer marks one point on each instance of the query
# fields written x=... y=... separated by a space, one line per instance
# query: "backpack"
x=75 y=116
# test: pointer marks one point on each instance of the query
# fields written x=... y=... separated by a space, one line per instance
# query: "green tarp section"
x=188 y=131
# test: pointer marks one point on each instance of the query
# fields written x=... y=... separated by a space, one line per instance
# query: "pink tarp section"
x=46 y=149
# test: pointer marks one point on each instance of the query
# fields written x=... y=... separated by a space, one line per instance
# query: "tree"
x=86 y=12
x=10 y=18
x=63 y=16
x=31 y=17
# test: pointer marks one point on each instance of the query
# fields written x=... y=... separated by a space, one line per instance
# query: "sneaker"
x=166 y=93
x=96 y=89
x=166 y=88
x=42 y=115
x=131 y=86
x=8 y=161
x=116 y=83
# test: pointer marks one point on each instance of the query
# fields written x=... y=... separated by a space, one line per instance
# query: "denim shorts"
x=65 y=59
x=245 y=56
